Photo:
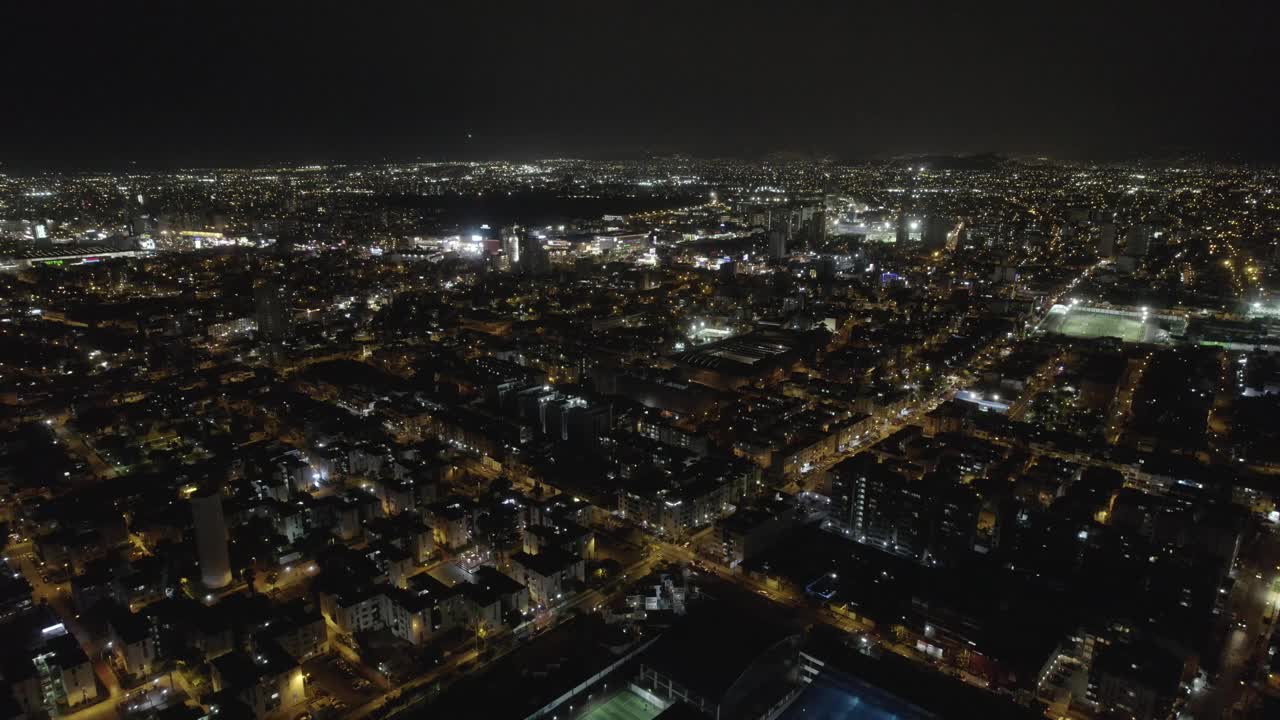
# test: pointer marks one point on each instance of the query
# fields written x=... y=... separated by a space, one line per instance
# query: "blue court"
x=833 y=699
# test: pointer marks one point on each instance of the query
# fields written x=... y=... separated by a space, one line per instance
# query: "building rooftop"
x=548 y=562
x=712 y=648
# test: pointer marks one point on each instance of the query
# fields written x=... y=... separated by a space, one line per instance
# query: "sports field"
x=1082 y=323
x=626 y=705
x=1086 y=324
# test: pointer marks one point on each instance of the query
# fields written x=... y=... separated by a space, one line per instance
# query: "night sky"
x=175 y=83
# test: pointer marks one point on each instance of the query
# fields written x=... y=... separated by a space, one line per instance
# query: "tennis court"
x=626 y=705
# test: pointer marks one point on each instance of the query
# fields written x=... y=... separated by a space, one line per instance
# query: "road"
x=158 y=688
x=76 y=444
x=962 y=378
x=58 y=597
x=808 y=612
x=1250 y=613
x=288 y=578
x=1123 y=404
x=1043 y=379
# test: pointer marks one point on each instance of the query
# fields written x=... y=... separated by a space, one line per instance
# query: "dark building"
x=931 y=520
x=533 y=257
x=1137 y=680
x=710 y=663
x=272 y=311
x=937 y=228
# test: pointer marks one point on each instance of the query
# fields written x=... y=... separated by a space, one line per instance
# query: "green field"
x=1087 y=324
x=626 y=705
x=1082 y=323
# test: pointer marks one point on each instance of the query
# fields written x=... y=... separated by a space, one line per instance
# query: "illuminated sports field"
x=1084 y=323
x=626 y=705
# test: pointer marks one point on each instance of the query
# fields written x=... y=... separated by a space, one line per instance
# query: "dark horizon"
x=1171 y=157
x=161 y=86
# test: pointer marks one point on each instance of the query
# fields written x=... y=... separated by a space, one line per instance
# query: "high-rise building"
x=936 y=229
x=211 y=538
x=791 y=228
x=1106 y=240
x=534 y=258
x=816 y=229
x=1137 y=242
x=140 y=225
x=930 y=520
x=781 y=225
x=272 y=311
x=512 y=237
x=777 y=243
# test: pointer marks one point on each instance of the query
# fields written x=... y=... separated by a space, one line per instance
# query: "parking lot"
x=335 y=678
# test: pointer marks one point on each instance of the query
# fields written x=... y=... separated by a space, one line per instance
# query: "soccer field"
x=626 y=705
x=1086 y=324
x=1081 y=323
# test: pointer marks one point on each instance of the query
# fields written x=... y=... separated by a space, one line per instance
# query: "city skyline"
x=639 y=361
x=597 y=438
